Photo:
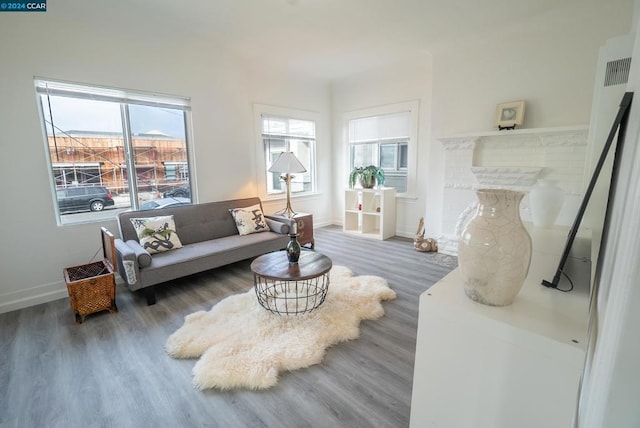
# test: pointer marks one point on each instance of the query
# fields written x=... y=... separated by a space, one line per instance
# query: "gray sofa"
x=209 y=237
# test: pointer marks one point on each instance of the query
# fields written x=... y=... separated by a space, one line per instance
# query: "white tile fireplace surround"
x=509 y=159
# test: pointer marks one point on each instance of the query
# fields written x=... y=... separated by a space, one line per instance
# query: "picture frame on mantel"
x=509 y=114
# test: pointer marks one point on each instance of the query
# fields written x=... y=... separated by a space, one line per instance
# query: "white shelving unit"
x=370 y=212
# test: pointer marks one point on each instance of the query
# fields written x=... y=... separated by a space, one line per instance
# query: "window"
x=287 y=130
x=385 y=137
x=176 y=171
x=133 y=144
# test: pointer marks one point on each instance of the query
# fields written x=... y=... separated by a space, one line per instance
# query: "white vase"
x=546 y=201
x=494 y=252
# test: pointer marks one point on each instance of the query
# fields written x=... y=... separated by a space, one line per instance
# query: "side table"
x=304 y=226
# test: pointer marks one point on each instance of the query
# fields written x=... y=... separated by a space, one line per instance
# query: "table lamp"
x=286 y=164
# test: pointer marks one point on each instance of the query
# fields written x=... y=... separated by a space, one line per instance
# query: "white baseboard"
x=400 y=233
x=33 y=296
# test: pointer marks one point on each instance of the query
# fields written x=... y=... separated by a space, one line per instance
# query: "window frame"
x=397 y=154
x=413 y=107
x=123 y=98
x=261 y=110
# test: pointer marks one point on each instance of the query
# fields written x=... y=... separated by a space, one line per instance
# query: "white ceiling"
x=324 y=38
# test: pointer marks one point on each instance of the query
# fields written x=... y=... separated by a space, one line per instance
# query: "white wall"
x=134 y=54
x=611 y=389
x=549 y=61
x=407 y=80
x=606 y=102
x=278 y=90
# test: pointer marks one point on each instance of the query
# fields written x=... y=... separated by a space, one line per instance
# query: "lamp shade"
x=287 y=163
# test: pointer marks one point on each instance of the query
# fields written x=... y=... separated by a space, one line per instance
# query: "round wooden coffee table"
x=291 y=288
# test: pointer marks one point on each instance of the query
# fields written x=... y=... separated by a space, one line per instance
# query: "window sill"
x=283 y=196
x=407 y=197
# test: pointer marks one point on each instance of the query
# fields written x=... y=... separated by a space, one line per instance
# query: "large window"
x=385 y=137
x=292 y=131
x=127 y=149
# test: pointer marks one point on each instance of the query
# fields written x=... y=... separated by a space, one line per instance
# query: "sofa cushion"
x=157 y=234
x=249 y=220
x=206 y=255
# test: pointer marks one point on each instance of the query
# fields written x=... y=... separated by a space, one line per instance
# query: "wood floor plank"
x=112 y=371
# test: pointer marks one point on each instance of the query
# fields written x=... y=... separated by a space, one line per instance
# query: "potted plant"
x=368 y=176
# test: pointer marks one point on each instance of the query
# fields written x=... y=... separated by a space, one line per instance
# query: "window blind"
x=274 y=126
x=394 y=126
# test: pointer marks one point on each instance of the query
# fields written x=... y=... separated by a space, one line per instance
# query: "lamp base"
x=287 y=212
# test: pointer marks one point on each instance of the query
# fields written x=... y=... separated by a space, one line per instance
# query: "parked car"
x=180 y=192
x=94 y=198
x=164 y=202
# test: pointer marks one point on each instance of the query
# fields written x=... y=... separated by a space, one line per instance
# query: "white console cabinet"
x=370 y=212
x=479 y=366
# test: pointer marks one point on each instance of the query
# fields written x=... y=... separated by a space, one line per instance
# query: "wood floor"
x=112 y=370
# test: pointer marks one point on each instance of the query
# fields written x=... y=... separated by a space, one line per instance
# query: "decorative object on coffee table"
x=495 y=249
x=286 y=164
x=291 y=288
x=293 y=249
x=240 y=345
x=303 y=223
x=509 y=114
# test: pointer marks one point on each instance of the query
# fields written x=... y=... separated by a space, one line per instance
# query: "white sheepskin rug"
x=242 y=345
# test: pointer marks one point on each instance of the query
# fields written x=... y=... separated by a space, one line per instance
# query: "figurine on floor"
x=420 y=243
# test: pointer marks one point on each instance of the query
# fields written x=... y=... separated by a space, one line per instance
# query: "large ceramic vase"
x=494 y=251
x=546 y=200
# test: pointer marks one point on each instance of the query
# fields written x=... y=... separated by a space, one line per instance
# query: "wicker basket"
x=92 y=287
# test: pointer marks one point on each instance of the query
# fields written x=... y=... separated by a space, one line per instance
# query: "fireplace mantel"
x=566 y=135
x=509 y=159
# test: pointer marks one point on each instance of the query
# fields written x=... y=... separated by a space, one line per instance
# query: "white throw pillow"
x=157 y=234
x=249 y=219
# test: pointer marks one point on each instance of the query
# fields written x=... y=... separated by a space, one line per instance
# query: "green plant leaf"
x=367 y=174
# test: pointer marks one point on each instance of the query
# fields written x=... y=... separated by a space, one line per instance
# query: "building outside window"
x=287 y=130
x=134 y=144
x=385 y=137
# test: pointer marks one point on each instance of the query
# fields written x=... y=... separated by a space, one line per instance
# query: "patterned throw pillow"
x=249 y=219
x=157 y=234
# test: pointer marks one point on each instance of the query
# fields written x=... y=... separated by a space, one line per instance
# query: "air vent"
x=617 y=72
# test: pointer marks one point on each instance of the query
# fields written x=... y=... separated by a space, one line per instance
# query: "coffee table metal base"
x=291 y=288
x=291 y=297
